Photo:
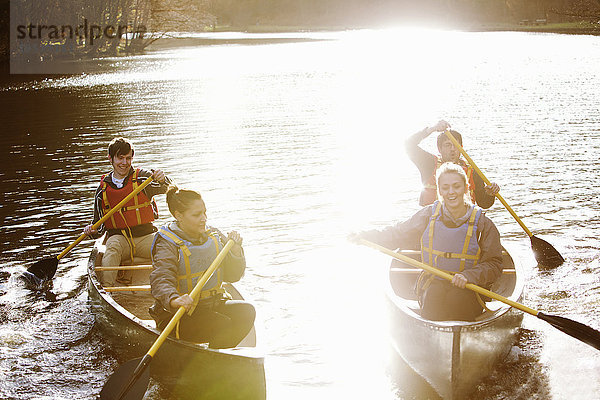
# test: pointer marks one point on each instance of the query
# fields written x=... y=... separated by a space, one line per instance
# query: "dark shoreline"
x=573 y=28
x=564 y=29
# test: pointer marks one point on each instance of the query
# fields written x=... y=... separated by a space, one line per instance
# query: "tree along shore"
x=160 y=17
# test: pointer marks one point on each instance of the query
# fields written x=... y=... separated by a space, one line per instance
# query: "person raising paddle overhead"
x=481 y=194
x=130 y=230
x=453 y=235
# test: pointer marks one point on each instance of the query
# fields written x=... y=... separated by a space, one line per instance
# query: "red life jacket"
x=136 y=211
x=429 y=192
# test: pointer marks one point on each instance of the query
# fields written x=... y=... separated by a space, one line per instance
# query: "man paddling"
x=428 y=164
x=130 y=230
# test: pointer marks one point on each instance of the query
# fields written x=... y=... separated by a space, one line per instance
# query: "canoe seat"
x=400 y=270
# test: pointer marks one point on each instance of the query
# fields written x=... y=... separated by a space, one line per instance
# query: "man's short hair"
x=443 y=135
x=119 y=146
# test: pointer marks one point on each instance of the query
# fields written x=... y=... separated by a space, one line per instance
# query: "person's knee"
x=116 y=250
x=143 y=246
x=249 y=311
x=243 y=313
x=116 y=243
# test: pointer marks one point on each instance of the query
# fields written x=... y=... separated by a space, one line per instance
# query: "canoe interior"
x=188 y=370
x=452 y=356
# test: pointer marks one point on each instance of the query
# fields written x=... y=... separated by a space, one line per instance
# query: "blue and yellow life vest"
x=451 y=249
x=194 y=260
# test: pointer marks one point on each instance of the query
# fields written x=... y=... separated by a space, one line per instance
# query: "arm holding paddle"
x=163 y=277
x=423 y=160
x=407 y=234
x=575 y=329
x=485 y=195
x=402 y=235
x=44 y=270
x=131 y=374
x=454 y=235
x=427 y=163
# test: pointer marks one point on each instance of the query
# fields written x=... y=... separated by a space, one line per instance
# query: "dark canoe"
x=452 y=356
x=187 y=370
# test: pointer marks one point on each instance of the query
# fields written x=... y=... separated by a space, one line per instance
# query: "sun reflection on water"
x=296 y=145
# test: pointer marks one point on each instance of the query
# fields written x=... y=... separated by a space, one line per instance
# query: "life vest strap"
x=189 y=276
x=429 y=248
x=468 y=237
x=134 y=207
x=432 y=255
x=178 y=241
x=446 y=254
x=482 y=303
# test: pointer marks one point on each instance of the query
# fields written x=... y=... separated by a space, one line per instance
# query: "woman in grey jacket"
x=182 y=250
x=453 y=235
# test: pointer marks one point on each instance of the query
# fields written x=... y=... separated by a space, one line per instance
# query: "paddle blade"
x=576 y=329
x=124 y=376
x=545 y=254
x=45 y=268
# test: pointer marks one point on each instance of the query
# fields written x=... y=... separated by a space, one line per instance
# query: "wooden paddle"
x=46 y=268
x=130 y=383
x=545 y=254
x=576 y=329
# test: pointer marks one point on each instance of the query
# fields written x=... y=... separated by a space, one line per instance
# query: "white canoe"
x=452 y=356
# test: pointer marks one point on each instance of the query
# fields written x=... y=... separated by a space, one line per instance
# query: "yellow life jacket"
x=451 y=249
x=194 y=260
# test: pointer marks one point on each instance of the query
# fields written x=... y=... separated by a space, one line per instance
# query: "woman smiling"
x=453 y=235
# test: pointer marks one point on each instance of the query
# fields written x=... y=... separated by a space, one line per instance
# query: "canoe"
x=452 y=356
x=187 y=370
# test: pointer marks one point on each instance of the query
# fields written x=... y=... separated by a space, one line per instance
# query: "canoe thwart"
x=125 y=267
x=400 y=270
x=141 y=288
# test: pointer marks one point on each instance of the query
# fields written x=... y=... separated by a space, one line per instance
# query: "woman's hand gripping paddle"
x=131 y=379
x=575 y=329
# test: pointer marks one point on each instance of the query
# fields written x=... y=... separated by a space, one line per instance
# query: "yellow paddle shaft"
x=487 y=182
x=194 y=294
x=447 y=276
x=106 y=216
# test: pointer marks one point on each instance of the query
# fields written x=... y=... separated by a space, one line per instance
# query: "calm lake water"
x=295 y=141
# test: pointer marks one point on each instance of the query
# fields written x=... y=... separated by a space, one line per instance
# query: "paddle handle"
x=194 y=294
x=487 y=181
x=106 y=216
x=447 y=276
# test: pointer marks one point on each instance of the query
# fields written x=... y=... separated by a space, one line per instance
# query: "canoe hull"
x=188 y=370
x=452 y=356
